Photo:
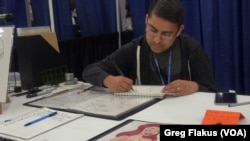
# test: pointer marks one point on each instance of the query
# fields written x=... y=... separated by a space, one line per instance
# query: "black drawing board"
x=95 y=102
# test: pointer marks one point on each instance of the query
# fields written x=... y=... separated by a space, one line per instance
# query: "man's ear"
x=181 y=28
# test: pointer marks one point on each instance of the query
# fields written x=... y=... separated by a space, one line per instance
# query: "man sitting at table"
x=163 y=56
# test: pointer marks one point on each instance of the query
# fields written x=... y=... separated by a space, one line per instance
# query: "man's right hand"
x=118 y=83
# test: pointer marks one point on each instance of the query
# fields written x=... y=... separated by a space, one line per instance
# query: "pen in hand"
x=41 y=118
x=117 y=68
x=119 y=71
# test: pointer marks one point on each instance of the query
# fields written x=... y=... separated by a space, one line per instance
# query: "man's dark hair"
x=171 y=10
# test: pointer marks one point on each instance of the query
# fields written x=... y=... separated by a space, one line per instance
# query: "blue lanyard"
x=169 y=67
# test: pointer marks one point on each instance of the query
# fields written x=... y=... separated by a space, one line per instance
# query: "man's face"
x=160 y=33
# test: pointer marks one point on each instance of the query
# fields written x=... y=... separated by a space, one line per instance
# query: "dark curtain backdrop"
x=17 y=8
x=40 y=11
x=63 y=20
x=62 y=17
x=222 y=28
x=245 y=45
x=138 y=10
x=96 y=16
x=83 y=51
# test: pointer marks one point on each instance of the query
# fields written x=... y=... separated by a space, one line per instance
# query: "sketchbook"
x=15 y=127
x=144 y=91
x=97 y=102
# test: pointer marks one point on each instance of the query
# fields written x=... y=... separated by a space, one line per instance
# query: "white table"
x=188 y=109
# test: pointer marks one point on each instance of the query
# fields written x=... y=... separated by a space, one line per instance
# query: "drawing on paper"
x=145 y=132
